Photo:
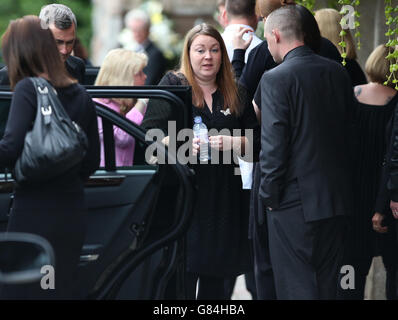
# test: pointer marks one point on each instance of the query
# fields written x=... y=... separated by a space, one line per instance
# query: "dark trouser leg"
x=209 y=288
x=190 y=285
x=251 y=284
x=389 y=253
x=229 y=285
x=263 y=275
x=305 y=256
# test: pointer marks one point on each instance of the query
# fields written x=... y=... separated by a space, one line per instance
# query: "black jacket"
x=156 y=66
x=307 y=111
x=74 y=65
x=260 y=60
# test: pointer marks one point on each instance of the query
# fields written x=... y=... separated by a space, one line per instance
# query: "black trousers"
x=249 y=276
x=209 y=288
x=305 y=255
x=258 y=232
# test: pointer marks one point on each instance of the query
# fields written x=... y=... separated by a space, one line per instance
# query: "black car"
x=138 y=215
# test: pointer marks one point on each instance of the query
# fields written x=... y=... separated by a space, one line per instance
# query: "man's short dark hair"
x=59 y=15
x=288 y=20
x=240 y=8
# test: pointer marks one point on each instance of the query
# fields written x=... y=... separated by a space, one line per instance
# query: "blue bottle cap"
x=197 y=119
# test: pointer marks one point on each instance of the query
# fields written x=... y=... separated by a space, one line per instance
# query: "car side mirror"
x=22 y=257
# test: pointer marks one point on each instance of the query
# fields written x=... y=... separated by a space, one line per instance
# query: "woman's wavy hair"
x=29 y=50
x=118 y=69
x=225 y=78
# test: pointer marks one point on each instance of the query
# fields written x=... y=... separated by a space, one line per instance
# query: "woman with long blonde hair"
x=122 y=67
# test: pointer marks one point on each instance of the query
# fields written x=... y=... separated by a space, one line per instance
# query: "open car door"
x=137 y=215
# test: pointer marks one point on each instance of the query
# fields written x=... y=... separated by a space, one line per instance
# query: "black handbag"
x=55 y=143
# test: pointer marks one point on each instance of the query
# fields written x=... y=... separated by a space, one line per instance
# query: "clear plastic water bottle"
x=200 y=131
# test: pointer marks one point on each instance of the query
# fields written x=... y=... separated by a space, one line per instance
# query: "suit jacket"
x=74 y=65
x=156 y=66
x=307 y=110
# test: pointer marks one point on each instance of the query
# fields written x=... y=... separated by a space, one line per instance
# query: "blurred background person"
x=240 y=14
x=366 y=238
x=55 y=208
x=220 y=15
x=139 y=23
x=122 y=67
x=329 y=24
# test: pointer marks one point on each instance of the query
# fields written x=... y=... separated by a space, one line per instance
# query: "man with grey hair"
x=139 y=24
x=62 y=23
x=306 y=112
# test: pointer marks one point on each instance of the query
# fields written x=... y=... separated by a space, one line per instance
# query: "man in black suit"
x=139 y=24
x=62 y=23
x=306 y=112
x=259 y=61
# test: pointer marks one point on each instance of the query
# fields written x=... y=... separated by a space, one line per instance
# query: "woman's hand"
x=195 y=146
x=394 y=208
x=376 y=221
x=237 y=40
x=222 y=143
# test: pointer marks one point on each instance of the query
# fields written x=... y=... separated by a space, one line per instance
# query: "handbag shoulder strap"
x=47 y=99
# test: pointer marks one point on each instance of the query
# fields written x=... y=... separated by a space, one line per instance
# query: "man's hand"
x=376 y=221
x=237 y=39
x=394 y=208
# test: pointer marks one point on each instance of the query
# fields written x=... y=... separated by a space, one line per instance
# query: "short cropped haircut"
x=330 y=27
x=59 y=14
x=240 y=8
x=137 y=14
x=377 y=67
x=287 y=20
x=118 y=69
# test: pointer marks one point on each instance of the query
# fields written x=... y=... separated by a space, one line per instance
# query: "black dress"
x=54 y=209
x=217 y=240
x=363 y=243
x=372 y=123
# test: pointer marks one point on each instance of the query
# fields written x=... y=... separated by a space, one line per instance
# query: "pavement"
x=240 y=292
